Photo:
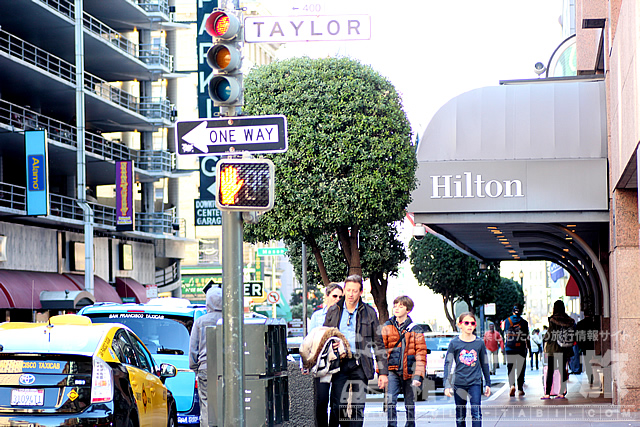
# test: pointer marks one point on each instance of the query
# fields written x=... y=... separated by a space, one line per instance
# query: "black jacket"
x=368 y=336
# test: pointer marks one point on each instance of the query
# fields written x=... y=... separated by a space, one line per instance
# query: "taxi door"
x=149 y=393
x=153 y=391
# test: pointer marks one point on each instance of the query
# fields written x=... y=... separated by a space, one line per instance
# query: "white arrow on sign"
x=201 y=136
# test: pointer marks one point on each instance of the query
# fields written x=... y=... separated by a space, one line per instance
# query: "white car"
x=437 y=344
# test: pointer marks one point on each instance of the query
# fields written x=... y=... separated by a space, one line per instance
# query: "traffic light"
x=245 y=184
x=225 y=57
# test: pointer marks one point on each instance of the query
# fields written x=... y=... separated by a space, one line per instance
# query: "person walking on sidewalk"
x=516 y=346
x=358 y=322
x=494 y=343
x=469 y=355
x=407 y=360
x=558 y=346
x=333 y=293
x=536 y=347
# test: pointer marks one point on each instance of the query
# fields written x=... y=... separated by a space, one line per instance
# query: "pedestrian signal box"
x=245 y=184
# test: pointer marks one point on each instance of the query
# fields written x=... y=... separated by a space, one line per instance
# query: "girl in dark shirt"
x=471 y=363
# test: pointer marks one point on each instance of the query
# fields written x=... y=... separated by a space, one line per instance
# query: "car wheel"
x=172 y=422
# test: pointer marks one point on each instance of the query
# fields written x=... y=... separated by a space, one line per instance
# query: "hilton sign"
x=466 y=186
x=510 y=186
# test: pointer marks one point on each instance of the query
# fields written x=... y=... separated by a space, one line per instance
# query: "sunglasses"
x=335 y=296
x=467 y=323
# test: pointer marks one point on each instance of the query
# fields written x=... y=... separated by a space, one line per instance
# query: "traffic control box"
x=265 y=372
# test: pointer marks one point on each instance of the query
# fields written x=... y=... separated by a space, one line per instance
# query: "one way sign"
x=253 y=134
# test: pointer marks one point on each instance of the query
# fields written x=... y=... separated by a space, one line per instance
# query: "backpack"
x=514 y=337
x=566 y=337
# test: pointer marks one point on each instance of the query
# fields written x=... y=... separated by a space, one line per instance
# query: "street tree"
x=350 y=163
x=509 y=294
x=452 y=274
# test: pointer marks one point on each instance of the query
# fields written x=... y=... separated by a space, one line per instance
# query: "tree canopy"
x=350 y=165
x=452 y=274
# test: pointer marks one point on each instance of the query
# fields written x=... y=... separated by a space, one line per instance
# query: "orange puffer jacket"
x=415 y=348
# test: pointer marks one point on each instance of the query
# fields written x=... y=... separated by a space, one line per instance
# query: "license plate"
x=440 y=374
x=27 y=397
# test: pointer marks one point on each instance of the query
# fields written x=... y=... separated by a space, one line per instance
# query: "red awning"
x=572 y=289
x=128 y=287
x=21 y=289
x=102 y=290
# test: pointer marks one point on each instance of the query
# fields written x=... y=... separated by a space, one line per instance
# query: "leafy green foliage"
x=349 y=169
x=452 y=274
x=350 y=159
x=509 y=294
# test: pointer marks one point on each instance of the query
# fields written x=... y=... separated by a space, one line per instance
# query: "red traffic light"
x=222 y=25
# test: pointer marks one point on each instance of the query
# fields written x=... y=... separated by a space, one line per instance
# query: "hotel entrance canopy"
x=519 y=171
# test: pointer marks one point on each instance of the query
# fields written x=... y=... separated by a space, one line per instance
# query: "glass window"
x=144 y=358
x=209 y=251
x=161 y=334
x=123 y=349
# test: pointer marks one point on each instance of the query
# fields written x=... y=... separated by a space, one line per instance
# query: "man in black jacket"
x=359 y=324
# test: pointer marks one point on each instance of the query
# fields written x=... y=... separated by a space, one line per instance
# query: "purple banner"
x=124 y=196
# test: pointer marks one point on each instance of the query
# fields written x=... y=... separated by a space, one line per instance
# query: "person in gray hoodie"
x=198 y=347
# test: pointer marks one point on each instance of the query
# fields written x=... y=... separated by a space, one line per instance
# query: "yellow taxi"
x=71 y=372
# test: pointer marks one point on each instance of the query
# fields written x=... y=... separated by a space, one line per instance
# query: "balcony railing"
x=169 y=275
x=152 y=108
x=33 y=55
x=19 y=118
x=152 y=55
x=155 y=222
x=155 y=6
x=156 y=161
x=13 y=197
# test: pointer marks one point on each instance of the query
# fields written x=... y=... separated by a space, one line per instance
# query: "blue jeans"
x=460 y=393
x=396 y=386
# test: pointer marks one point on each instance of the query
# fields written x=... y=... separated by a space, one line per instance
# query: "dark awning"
x=103 y=291
x=130 y=288
x=65 y=300
x=22 y=289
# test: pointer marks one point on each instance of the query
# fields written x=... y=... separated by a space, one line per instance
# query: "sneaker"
x=521 y=393
x=512 y=392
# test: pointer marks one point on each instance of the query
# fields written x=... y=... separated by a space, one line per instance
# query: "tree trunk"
x=349 y=241
x=379 y=286
x=319 y=261
x=447 y=300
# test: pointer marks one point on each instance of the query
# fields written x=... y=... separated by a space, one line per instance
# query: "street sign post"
x=279 y=29
x=272 y=251
x=231 y=135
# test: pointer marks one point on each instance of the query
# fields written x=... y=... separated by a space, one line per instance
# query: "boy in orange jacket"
x=407 y=359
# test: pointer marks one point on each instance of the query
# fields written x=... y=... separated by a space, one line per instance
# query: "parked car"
x=437 y=344
x=72 y=372
x=164 y=326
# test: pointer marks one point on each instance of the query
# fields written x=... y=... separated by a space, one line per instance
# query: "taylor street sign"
x=278 y=29
x=253 y=134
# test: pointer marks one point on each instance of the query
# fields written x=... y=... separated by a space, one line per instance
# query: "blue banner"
x=35 y=147
x=555 y=272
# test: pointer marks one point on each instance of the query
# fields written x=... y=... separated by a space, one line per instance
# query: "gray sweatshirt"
x=198 y=341
x=471 y=363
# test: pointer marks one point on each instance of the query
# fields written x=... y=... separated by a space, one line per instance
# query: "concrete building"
x=98 y=78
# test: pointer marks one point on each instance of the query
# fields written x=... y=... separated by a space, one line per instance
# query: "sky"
x=434 y=50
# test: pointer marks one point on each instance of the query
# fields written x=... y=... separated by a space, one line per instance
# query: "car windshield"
x=438 y=343
x=161 y=334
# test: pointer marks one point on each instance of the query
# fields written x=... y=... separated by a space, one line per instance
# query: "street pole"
x=273 y=285
x=304 y=289
x=232 y=327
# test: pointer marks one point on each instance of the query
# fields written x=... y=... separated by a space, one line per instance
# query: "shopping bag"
x=555 y=386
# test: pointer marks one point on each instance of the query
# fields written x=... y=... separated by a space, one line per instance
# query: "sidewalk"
x=584 y=407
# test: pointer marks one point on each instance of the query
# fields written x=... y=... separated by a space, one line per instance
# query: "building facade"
x=608 y=43
x=96 y=79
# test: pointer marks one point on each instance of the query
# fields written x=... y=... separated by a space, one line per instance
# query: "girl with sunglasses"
x=471 y=364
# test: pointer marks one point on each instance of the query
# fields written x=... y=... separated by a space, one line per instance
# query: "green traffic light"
x=223 y=90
